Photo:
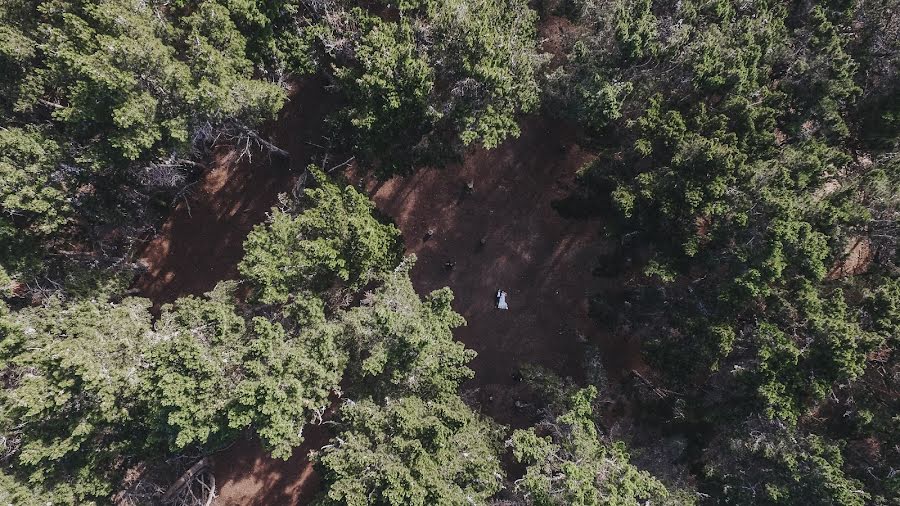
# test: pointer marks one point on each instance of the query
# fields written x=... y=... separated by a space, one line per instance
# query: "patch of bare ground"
x=555 y=33
x=505 y=234
x=856 y=260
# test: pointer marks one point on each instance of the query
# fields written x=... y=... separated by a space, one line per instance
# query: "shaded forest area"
x=697 y=203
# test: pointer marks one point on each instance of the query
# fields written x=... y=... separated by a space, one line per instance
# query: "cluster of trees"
x=423 y=78
x=753 y=174
x=748 y=151
x=105 y=108
x=108 y=109
x=96 y=386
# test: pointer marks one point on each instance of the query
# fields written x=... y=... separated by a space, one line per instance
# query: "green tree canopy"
x=335 y=241
x=389 y=86
x=94 y=388
x=402 y=345
x=768 y=464
x=569 y=463
x=130 y=83
x=73 y=407
x=461 y=69
x=411 y=451
x=106 y=103
x=214 y=373
x=407 y=437
x=740 y=147
x=732 y=172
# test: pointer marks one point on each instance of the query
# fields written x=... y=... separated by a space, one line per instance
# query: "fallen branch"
x=659 y=392
x=183 y=493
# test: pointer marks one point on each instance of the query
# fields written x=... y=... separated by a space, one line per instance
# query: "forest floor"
x=540 y=258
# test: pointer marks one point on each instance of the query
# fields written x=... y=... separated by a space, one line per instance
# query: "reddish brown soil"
x=856 y=260
x=247 y=475
x=201 y=243
x=541 y=259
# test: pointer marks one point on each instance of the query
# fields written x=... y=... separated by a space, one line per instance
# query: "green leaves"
x=28 y=162
x=636 y=28
x=213 y=375
x=408 y=438
x=709 y=164
x=768 y=464
x=335 y=241
x=826 y=76
x=488 y=50
x=95 y=389
x=287 y=383
x=103 y=105
x=94 y=386
x=389 y=85
x=883 y=304
x=827 y=346
x=462 y=69
x=75 y=404
x=194 y=365
x=400 y=345
x=411 y=451
x=572 y=464
x=221 y=72
x=729 y=146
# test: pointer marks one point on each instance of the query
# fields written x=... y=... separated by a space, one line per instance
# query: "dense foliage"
x=73 y=405
x=776 y=465
x=571 y=464
x=411 y=451
x=94 y=387
x=442 y=72
x=746 y=162
x=334 y=240
x=400 y=344
x=104 y=106
x=737 y=153
x=407 y=437
x=93 y=381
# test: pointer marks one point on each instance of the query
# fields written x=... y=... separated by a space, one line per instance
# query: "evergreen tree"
x=389 y=86
x=103 y=102
x=334 y=241
x=72 y=409
x=569 y=463
x=400 y=345
x=462 y=69
x=411 y=451
x=213 y=373
x=768 y=464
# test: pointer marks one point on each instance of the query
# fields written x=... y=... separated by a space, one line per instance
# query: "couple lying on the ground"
x=501 y=300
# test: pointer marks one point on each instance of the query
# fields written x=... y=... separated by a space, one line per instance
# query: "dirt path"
x=201 y=243
x=246 y=474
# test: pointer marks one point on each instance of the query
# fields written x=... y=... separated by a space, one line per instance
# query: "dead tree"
x=196 y=487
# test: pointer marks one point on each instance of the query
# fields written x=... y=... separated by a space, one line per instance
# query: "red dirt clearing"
x=247 y=475
x=541 y=259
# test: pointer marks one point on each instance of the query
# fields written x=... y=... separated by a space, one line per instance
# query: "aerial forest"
x=722 y=178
